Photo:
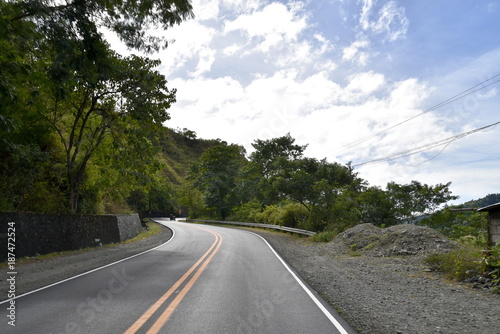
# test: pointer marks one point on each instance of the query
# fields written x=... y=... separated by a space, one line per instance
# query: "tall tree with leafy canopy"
x=376 y=207
x=215 y=175
x=269 y=153
x=24 y=139
x=270 y=160
x=82 y=89
x=416 y=199
x=286 y=175
x=131 y=99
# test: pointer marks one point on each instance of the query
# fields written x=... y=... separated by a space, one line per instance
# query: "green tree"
x=285 y=175
x=56 y=63
x=215 y=174
x=334 y=193
x=270 y=160
x=131 y=99
x=71 y=32
x=416 y=199
x=192 y=198
x=28 y=178
x=471 y=226
x=127 y=171
x=131 y=20
x=22 y=137
x=310 y=182
x=269 y=154
x=376 y=207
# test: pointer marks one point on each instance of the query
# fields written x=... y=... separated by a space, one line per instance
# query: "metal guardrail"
x=267 y=226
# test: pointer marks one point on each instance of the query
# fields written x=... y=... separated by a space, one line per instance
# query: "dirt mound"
x=395 y=240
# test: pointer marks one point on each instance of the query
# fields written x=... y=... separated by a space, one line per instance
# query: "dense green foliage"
x=78 y=122
x=215 y=175
x=276 y=184
x=491 y=266
x=466 y=226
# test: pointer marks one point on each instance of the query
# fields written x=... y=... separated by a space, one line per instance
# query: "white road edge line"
x=309 y=292
x=91 y=271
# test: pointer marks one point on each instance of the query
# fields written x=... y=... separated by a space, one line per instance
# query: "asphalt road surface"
x=206 y=279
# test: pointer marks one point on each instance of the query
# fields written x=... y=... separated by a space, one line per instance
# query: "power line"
x=439 y=105
x=426 y=147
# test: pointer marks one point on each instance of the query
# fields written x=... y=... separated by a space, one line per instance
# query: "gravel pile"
x=393 y=241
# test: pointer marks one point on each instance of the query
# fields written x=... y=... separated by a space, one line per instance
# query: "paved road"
x=206 y=279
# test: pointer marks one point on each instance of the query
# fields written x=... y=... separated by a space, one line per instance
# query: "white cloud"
x=271 y=106
x=242 y=6
x=191 y=39
x=347 y=118
x=409 y=94
x=272 y=26
x=365 y=82
x=393 y=21
x=205 y=94
x=365 y=14
x=326 y=45
x=206 y=59
x=353 y=52
x=390 y=20
x=232 y=49
x=206 y=9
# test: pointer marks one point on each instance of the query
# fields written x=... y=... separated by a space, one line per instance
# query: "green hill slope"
x=482 y=202
x=180 y=148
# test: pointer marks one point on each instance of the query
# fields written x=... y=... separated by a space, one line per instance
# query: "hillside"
x=180 y=148
x=130 y=171
x=482 y=202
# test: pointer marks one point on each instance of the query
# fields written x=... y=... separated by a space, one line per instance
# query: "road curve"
x=206 y=279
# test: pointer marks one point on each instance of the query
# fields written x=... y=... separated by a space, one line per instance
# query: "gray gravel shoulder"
x=384 y=295
x=39 y=273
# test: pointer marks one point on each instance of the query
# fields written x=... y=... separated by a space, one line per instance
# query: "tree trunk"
x=75 y=178
x=74 y=194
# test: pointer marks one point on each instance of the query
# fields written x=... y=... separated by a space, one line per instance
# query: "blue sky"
x=332 y=72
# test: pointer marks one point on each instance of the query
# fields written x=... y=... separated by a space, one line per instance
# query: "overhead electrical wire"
x=426 y=147
x=439 y=105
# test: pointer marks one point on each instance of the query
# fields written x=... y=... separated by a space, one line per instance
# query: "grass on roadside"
x=325 y=236
x=458 y=264
x=152 y=229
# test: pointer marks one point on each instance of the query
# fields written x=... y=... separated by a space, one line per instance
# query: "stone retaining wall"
x=43 y=234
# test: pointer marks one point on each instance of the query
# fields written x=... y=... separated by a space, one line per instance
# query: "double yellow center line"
x=199 y=266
